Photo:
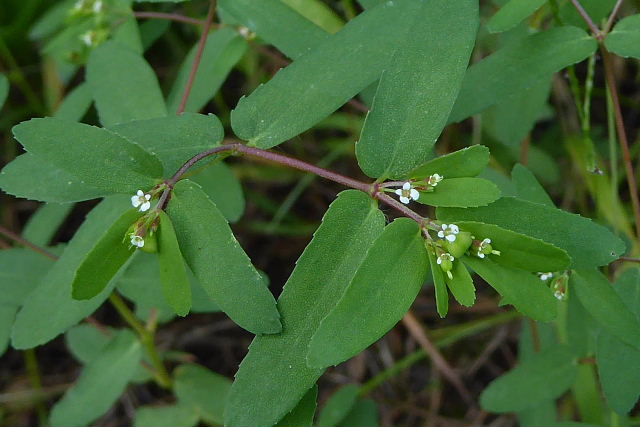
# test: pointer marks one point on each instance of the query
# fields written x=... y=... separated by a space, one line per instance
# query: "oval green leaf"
x=380 y=293
x=97 y=157
x=173 y=273
x=101 y=383
x=599 y=298
x=275 y=364
x=338 y=405
x=619 y=372
x=104 y=260
x=461 y=285
x=417 y=91
x=461 y=193
x=302 y=415
x=518 y=250
x=468 y=162
x=624 y=40
x=51 y=299
x=586 y=242
x=203 y=390
x=218 y=262
x=512 y=13
x=124 y=86
x=522 y=289
x=546 y=375
x=439 y=286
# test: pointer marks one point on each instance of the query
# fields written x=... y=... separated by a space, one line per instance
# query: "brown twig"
x=628 y=259
x=22 y=241
x=612 y=17
x=592 y=26
x=622 y=135
x=416 y=329
x=198 y=57
x=168 y=16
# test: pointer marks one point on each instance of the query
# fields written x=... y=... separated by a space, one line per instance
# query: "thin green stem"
x=17 y=76
x=33 y=371
x=613 y=151
x=588 y=91
x=147 y=338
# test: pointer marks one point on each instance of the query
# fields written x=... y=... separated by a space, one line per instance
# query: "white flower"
x=137 y=241
x=545 y=276
x=87 y=38
x=97 y=6
x=443 y=257
x=407 y=193
x=434 y=179
x=142 y=200
x=483 y=245
x=79 y=5
x=449 y=232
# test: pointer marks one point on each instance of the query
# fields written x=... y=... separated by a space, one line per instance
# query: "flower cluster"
x=445 y=261
x=449 y=232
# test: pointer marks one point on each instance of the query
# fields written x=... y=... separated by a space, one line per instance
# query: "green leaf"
x=423 y=80
x=461 y=285
x=223 y=50
x=619 y=372
x=461 y=192
x=518 y=66
x=302 y=414
x=363 y=414
x=624 y=39
x=32 y=177
x=512 y=13
x=440 y=286
x=218 y=261
x=86 y=342
x=317 y=12
x=223 y=188
x=165 y=416
x=51 y=20
x=100 y=384
x=265 y=18
x=518 y=250
x=338 y=405
x=105 y=259
x=20 y=271
x=380 y=293
x=546 y=375
x=4 y=89
x=173 y=139
x=203 y=390
x=605 y=306
x=467 y=162
x=44 y=223
x=628 y=287
x=98 y=157
x=528 y=187
x=320 y=81
x=275 y=364
x=512 y=119
x=173 y=274
x=51 y=299
x=586 y=242
x=522 y=289
x=124 y=86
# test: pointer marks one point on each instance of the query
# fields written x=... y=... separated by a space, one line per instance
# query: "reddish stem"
x=19 y=239
x=198 y=57
x=168 y=16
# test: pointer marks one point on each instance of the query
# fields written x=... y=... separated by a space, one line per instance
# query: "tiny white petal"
x=147 y=196
x=454 y=228
x=480 y=255
x=444 y=226
x=441 y=234
x=399 y=192
x=135 y=201
x=414 y=194
x=451 y=237
x=405 y=200
x=145 y=206
x=439 y=261
x=140 y=193
x=406 y=186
